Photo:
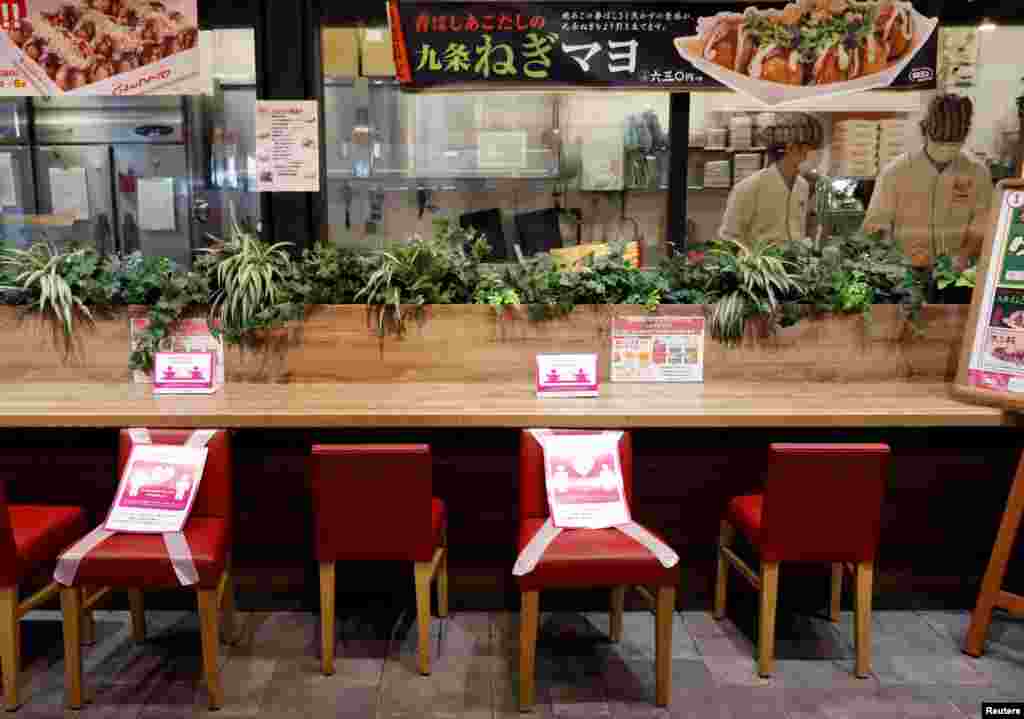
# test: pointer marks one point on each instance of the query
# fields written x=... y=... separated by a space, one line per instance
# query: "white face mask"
x=943 y=152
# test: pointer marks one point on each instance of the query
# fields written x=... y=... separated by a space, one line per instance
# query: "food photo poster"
x=99 y=47
x=777 y=53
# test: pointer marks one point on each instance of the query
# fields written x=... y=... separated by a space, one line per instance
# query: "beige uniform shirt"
x=929 y=212
x=763 y=207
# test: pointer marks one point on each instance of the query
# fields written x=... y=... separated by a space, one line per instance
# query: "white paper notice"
x=157 y=489
x=287 y=146
x=156 y=203
x=584 y=480
x=8 y=193
x=69 y=191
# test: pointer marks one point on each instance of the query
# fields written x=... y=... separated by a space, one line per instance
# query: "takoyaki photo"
x=807 y=43
x=93 y=40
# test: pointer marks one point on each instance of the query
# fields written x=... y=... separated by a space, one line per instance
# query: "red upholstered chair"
x=821 y=503
x=587 y=558
x=30 y=536
x=140 y=561
x=375 y=502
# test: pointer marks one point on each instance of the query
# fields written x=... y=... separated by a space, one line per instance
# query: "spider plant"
x=749 y=281
x=248 y=275
x=46 y=276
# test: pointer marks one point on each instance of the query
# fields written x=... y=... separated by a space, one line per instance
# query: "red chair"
x=375 y=502
x=821 y=503
x=580 y=558
x=30 y=536
x=139 y=561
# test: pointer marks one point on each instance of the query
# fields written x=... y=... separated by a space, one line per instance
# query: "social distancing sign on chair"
x=585 y=490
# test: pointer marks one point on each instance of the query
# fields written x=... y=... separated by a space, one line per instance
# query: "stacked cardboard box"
x=855 y=148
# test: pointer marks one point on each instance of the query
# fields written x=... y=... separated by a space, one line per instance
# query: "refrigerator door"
x=153 y=201
x=156 y=119
x=61 y=172
x=17 y=196
x=13 y=122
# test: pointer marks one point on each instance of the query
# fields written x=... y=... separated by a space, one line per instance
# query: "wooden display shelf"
x=510 y=405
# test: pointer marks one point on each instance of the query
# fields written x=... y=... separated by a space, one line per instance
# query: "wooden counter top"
x=723 y=404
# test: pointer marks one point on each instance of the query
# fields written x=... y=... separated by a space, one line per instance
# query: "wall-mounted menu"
x=287 y=146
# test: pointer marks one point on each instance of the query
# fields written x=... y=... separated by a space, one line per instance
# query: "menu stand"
x=992 y=595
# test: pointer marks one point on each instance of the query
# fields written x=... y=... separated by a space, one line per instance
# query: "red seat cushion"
x=744 y=513
x=41 y=533
x=437 y=520
x=140 y=560
x=592 y=558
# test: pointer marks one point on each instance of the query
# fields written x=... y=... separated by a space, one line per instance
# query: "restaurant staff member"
x=772 y=204
x=935 y=201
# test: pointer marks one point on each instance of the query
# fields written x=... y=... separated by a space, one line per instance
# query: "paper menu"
x=287 y=146
x=8 y=192
x=657 y=349
x=69 y=191
x=156 y=203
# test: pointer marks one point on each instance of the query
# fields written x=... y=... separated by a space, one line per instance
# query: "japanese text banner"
x=775 y=52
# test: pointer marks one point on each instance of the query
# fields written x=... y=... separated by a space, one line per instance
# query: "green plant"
x=492 y=290
x=250 y=281
x=688 y=277
x=179 y=295
x=610 y=279
x=946 y=275
x=137 y=280
x=421 y=271
x=748 y=282
x=59 y=285
x=331 y=275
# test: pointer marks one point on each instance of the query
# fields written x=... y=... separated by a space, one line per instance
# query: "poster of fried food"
x=99 y=47
x=808 y=48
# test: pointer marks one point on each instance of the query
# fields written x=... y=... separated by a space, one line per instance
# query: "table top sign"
x=184 y=373
x=657 y=349
x=157 y=489
x=569 y=375
x=584 y=480
x=992 y=358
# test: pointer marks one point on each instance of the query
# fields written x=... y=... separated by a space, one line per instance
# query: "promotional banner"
x=997 y=358
x=99 y=47
x=584 y=480
x=657 y=349
x=157 y=489
x=774 y=52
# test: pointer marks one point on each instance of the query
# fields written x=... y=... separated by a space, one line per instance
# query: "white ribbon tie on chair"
x=535 y=548
x=178 y=551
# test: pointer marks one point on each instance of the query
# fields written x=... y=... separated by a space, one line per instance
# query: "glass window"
x=532 y=171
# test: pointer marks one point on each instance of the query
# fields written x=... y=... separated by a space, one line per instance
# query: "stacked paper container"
x=717 y=137
x=855 y=148
x=717 y=174
x=894 y=140
x=741 y=129
x=747 y=164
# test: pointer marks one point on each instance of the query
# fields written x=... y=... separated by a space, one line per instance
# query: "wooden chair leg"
x=442 y=585
x=422 y=572
x=664 y=614
x=137 y=604
x=725 y=538
x=529 y=616
x=71 y=606
x=766 y=622
x=862 y=621
x=88 y=621
x=10 y=645
x=327 y=589
x=208 y=622
x=227 y=610
x=835 y=598
x=615 y=613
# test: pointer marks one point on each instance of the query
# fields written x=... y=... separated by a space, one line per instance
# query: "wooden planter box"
x=470 y=343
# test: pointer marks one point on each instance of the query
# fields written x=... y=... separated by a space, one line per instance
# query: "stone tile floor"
x=919 y=670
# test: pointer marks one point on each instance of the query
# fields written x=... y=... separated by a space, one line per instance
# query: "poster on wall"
x=287 y=146
x=657 y=349
x=775 y=52
x=99 y=47
x=997 y=353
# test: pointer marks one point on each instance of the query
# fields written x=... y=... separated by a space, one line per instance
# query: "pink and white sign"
x=567 y=375
x=584 y=480
x=157 y=489
x=183 y=373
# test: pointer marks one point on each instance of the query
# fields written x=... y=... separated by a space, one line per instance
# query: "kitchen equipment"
x=538 y=231
x=17 y=190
